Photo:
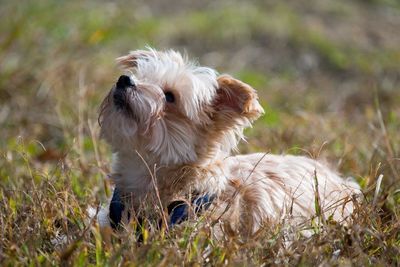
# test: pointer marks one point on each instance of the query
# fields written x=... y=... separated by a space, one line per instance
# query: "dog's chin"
x=129 y=114
x=119 y=127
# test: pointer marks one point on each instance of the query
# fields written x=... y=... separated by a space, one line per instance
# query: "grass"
x=327 y=74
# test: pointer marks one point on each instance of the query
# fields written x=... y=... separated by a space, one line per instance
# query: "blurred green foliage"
x=327 y=73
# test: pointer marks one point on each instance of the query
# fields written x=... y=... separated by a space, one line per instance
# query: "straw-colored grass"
x=328 y=76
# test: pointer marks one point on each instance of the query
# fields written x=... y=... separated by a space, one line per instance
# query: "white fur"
x=162 y=137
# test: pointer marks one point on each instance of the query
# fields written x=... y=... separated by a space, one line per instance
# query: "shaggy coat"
x=172 y=133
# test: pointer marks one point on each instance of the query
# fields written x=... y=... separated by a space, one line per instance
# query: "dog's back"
x=264 y=188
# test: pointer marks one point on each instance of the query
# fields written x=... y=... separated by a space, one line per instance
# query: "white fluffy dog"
x=172 y=126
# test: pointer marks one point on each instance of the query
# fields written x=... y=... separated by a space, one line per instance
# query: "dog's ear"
x=130 y=60
x=237 y=99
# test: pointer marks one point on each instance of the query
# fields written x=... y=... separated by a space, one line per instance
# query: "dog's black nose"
x=120 y=93
x=124 y=81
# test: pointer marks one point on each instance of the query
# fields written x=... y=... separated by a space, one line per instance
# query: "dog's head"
x=175 y=111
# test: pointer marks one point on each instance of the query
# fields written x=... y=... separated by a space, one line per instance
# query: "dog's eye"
x=169 y=97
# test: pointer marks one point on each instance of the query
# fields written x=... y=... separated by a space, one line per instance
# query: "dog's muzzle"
x=123 y=84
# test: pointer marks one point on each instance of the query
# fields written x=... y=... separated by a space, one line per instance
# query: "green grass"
x=327 y=74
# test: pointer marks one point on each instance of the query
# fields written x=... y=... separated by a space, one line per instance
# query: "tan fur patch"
x=236 y=183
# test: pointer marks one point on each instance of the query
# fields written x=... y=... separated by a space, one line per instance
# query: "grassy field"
x=328 y=75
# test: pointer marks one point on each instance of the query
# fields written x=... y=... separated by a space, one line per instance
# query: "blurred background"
x=322 y=68
x=327 y=73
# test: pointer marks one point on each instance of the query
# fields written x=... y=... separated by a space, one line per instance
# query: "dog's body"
x=172 y=126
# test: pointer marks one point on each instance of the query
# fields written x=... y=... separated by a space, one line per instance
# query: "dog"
x=172 y=126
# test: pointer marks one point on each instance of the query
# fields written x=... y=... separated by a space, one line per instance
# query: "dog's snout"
x=121 y=89
x=125 y=81
x=120 y=93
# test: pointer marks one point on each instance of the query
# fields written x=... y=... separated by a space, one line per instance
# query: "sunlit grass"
x=329 y=84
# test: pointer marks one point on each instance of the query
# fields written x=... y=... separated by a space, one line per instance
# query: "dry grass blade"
x=377 y=190
x=316 y=63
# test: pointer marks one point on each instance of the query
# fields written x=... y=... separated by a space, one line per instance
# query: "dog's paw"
x=102 y=217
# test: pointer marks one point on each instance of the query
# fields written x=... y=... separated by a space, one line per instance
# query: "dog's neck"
x=137 y=175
